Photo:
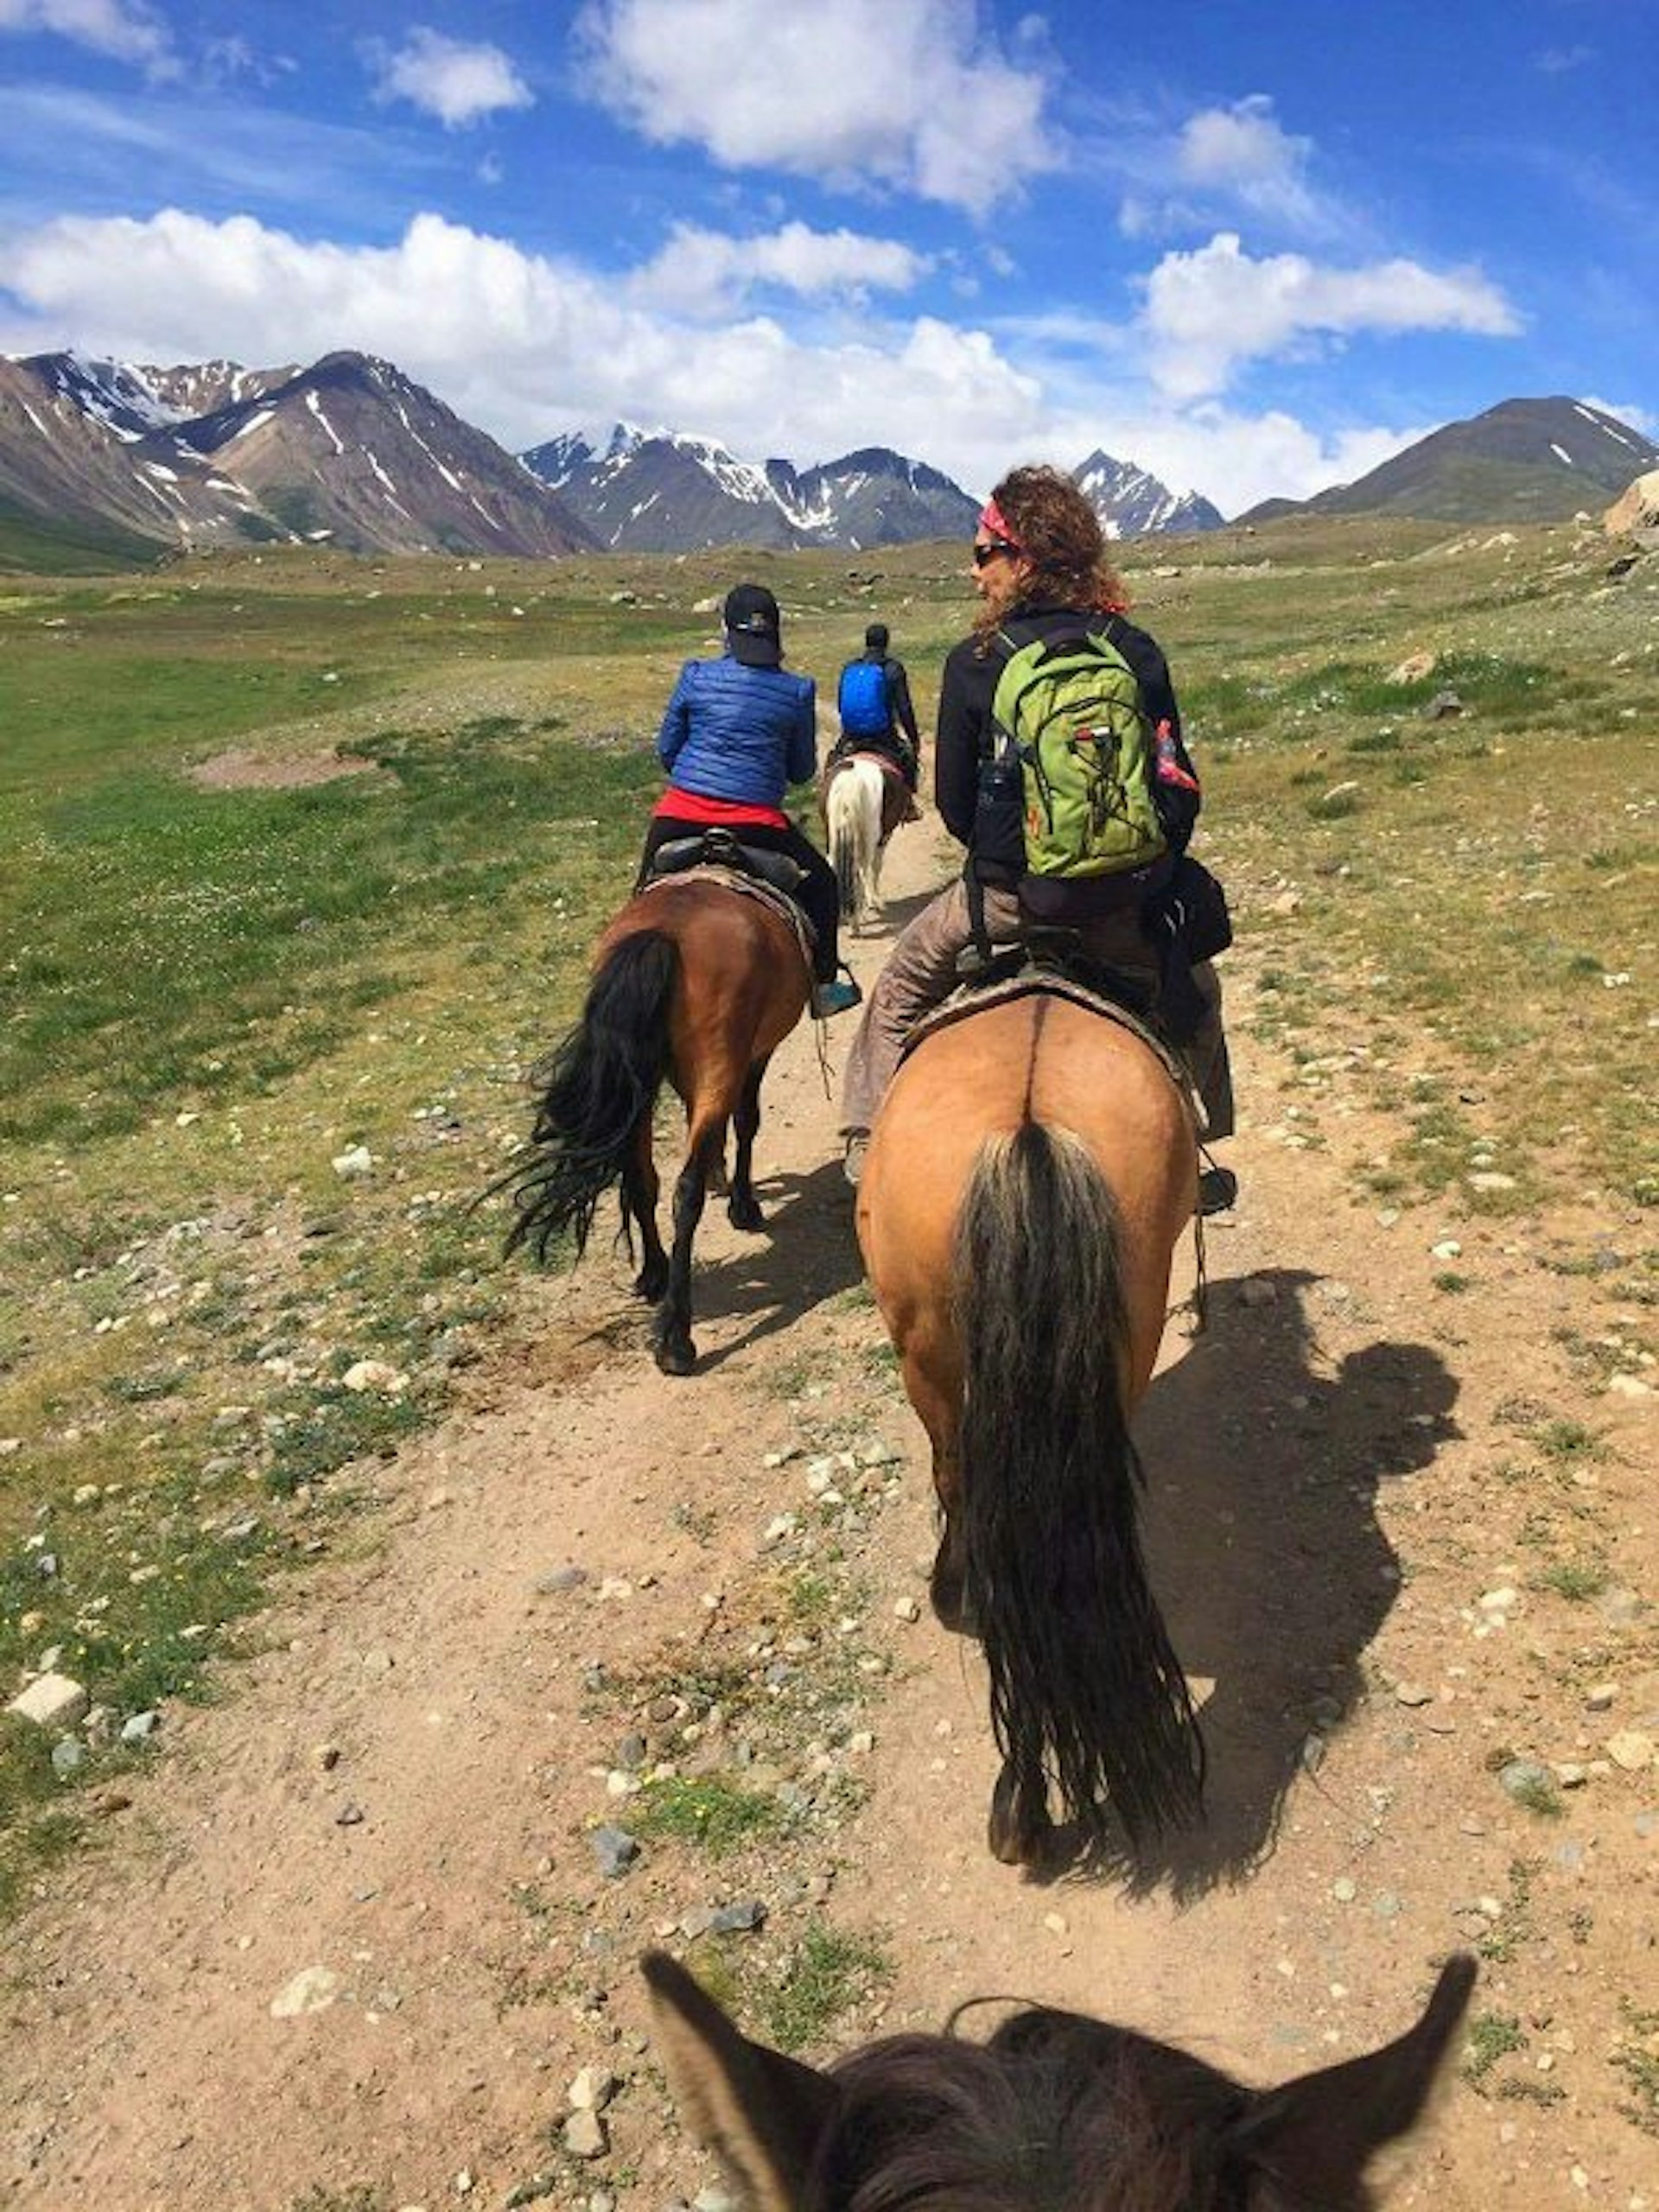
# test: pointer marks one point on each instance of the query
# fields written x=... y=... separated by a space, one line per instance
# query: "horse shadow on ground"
x=1264 y=1461
x=805 y=1254
x=896 y=914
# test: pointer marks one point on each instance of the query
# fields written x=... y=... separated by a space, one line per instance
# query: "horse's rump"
x=854 y=803
x=1028 y=1176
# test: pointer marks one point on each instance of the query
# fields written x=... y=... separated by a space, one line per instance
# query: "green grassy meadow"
x=213 y=988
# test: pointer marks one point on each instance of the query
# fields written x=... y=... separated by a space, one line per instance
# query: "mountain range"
x=123 y=461
x=663 y=492
x=349 y=451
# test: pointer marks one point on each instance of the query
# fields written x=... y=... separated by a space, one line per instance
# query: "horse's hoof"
x=952 y=1607
x=1018 y=1829
x=948 y=1589
x=745 y=1213
x=677 y=1354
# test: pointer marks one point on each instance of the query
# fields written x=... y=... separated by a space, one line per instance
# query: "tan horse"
x=1027 y=1179
x=694 y=983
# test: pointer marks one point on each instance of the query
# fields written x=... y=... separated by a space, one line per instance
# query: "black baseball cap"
x=753 y=625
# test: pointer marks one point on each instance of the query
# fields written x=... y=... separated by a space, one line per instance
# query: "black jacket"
x=962 y=743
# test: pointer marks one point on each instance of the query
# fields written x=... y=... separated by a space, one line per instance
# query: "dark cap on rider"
x=753 y=627
x=876 y=637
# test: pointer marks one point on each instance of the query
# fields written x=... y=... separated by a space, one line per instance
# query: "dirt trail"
x=398 y=1790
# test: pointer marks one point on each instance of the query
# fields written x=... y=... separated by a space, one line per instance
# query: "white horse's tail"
x=854 y=813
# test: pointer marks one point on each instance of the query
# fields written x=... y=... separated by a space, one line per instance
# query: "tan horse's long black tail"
x=601 y=1080
x=1084 y=1684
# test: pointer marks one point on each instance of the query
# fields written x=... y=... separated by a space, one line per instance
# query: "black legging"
x=818 y=896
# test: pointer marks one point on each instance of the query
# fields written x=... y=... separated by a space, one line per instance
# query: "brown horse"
x=1028 y=1176
x=696 y=981
x=1056 y=2113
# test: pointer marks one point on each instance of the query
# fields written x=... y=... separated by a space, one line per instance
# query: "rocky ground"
x=623 y=1660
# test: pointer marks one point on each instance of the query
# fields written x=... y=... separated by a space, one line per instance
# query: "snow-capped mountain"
x=669 y=492
x=1131 y=502
x=349 y=451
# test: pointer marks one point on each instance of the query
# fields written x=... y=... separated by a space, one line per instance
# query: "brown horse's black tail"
x=600 y=1081
x=1084 y=1684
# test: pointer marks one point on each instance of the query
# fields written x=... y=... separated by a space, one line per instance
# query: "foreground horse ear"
x=764 y=2114
x=1316 y=2135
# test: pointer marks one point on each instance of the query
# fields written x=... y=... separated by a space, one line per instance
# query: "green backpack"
x=1068 y=707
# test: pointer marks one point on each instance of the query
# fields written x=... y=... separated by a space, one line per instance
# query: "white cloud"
x=1560 y=60
x=1242 y=152
x=1208 y=311
x=703 y=273
x=904 y=93
x=128 y=30
x=524 y=346
x=457 y=83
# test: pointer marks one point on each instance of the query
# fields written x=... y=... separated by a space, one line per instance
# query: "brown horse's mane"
x=1057 y=2113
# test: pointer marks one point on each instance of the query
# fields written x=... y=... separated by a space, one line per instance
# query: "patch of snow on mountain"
x=452 y=480
x=1561 y=454
x=315 y=406
x=255 y=422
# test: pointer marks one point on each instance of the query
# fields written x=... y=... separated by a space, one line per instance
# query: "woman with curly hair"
x=1041 y=571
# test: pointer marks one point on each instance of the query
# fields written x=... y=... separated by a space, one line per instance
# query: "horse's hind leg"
x=640 y=1185
x=744 y=1208
x=671 y=1330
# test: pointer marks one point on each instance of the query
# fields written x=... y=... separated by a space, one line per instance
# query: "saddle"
x=1052 y=960
x=898 y=801
x=718 y=856
x=718 y=847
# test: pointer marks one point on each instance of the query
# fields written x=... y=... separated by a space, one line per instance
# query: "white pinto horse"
x=853 y=808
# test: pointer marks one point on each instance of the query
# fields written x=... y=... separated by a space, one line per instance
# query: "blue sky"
x=1253 y=249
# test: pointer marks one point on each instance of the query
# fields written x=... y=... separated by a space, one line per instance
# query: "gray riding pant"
x=921 y=973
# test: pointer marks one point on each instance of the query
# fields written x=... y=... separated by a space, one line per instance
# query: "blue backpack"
x=861 y=702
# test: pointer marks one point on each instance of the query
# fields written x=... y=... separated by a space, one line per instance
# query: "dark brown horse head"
x=1056 y=2113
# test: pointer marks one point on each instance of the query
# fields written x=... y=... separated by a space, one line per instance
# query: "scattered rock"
x=51 y=1701
x=615 y=1850
x=352 y=1165
x=592 y=2088
x=376 y=1374
x=313 y=1989
x=1632 y=1749
x=1414 y=667
x=140 y=1727
x=1412 y=1693
x=561 y=1579
x=738 y=1919
x=585 y=2136
x=1443 y=704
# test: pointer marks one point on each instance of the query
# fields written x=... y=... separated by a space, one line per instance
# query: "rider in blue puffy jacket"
x=737 y=733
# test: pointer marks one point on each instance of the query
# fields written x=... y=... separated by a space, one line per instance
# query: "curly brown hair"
x=1060 y=536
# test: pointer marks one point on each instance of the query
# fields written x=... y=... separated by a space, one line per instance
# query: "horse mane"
x=1057 y=2113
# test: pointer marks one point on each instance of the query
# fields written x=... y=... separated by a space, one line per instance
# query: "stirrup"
x=839 y=995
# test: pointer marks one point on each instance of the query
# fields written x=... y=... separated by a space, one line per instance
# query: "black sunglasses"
x=998 y=550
